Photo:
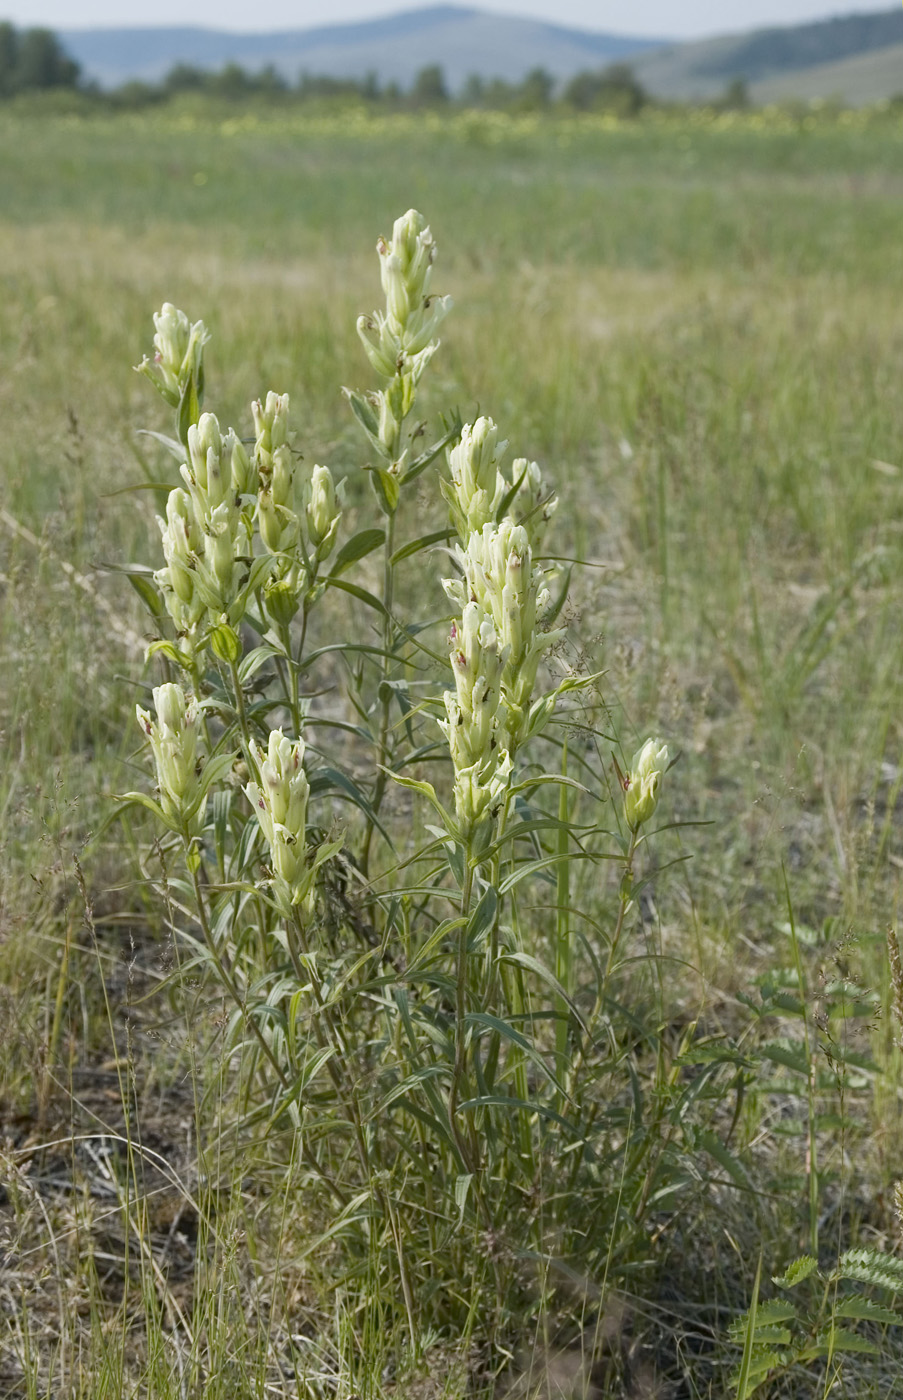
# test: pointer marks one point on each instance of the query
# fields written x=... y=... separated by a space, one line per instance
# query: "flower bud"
x=280 y=804
x=173 y=740
x=178 y=354
x=205 y=448
x=271 y=421
x=322 y=509
x=242 y=474
x=643 y=782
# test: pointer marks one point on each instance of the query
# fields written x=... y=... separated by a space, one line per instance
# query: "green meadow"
x=692 y=322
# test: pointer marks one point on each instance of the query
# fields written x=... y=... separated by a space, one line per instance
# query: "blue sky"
x=680 y=18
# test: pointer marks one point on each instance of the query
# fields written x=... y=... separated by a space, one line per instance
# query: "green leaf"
x=358 y=547
x=743 y=1378
x=483 y=917
x=534 y=965
x=141 y=799
x=189 y=409
x=363 y=412
x=422 y=542
x=334 y=780
x=171 y=653
x=716 y=1148
x=507 y=1032
x=225 y=642
x=775 y=1310
x=386 y=488
x=800 y=1269
x=420 y=463
x=838 y=1339
x=791 y=1055
x=428 y=791
x=517 y=1106
x=871 y=1266
x=462 y=1189
x=148 y=594
x=356 y=592
x=251 y=664
x=404 y=1087
x=174 y=448
x=864 y=1310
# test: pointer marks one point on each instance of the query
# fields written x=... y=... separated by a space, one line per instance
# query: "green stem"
x=563 y=951
x=239 y=696
x=225 y=973
x=460 y=1015
x=382 y=744
x=625 y=897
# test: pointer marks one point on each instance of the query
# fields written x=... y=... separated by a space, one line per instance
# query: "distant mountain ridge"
x=462 y=39
x=858 y=58
x=853 y=57
x=768 y=51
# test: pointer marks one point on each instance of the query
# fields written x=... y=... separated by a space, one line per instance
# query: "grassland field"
x=695 y=326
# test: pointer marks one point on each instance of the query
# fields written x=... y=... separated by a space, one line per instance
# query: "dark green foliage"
x=33 y=60
x=615 y=89
x=429 y=88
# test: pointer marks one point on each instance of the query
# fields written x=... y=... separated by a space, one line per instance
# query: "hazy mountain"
x=463 y=41
x=858 y=58
x=855 y=57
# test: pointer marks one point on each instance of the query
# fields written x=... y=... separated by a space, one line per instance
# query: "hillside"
x=463 y=40
x=855 y=57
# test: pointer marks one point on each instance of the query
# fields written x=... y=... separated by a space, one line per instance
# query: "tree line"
x=612 y=89
x=34 y=60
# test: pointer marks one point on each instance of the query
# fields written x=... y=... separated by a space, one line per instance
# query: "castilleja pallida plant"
x=386 y=976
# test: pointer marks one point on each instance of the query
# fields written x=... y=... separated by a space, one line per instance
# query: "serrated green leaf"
x=864 y=1310
x=871 y=1266
x=839 y=1339
x=775 y=1310
x=799 y=1270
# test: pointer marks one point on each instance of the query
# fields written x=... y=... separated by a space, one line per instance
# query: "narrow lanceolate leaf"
x=422 y=542
x=534 y=965
x=483 y=917
x=485 y=1021
x=358 y=547
x=363 y=412
x=744 y=1375
x=716 y=1148
x=148 y=594
x=386 y=488
x=517 y=1106
x=800 y=1269
x=462 y=1189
